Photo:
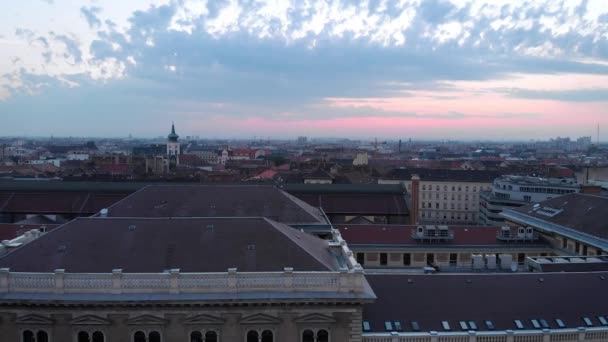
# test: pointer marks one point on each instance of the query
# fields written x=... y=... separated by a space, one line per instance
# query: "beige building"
x=445 y=196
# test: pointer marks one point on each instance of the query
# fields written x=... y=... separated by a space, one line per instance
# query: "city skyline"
x=458 y=69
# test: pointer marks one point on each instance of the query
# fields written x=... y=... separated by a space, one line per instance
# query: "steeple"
x=172 y=136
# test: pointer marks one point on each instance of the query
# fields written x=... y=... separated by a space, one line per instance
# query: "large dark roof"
x=584 y=213
x=370 y=204
x=501 y=298
x=477 y=176
x=56 y=202
x=158 y=244
x=216 y=201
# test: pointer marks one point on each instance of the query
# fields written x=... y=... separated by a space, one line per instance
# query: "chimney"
x=415 y=193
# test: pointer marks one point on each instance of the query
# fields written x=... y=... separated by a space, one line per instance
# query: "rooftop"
x=580 y=212
x=538 y=181
x=499 y=298
x=151 y=245
x=216 y=201
x=444 y=175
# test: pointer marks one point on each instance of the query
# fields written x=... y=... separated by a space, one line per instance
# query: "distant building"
x=173 y=149
x=510 y=192
x=445 y=196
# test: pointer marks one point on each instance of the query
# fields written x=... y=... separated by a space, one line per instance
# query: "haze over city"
x=460 y=69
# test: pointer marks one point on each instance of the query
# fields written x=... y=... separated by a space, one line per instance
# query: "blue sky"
x=423 y=69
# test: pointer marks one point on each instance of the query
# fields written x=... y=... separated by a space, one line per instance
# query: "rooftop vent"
x=251 y=247
x=132 y=227
x=210 y=227
x=103 y=212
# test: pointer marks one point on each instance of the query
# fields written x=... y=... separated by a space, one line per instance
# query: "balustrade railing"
x=595 y=334
x=174 y=281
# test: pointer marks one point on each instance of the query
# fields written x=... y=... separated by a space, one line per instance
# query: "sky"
x=422 y=69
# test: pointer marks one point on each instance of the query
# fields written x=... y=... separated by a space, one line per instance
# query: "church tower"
x=173 y=148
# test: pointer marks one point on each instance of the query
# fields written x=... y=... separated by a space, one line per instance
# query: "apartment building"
x=445 y=196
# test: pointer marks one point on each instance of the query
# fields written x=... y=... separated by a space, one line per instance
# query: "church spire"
x=172 y=136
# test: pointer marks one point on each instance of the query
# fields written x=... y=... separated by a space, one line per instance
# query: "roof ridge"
x=287 y=231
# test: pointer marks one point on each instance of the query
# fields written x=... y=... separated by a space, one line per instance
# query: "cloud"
x=91 y=15
x=72 y=47
x=583 y=95
x=289 y=57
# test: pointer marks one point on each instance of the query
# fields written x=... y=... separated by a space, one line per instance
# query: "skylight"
x=519 y=324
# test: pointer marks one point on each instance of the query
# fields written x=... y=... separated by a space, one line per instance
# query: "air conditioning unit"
x=505 y=261
x=491 y=261
x=477 y=260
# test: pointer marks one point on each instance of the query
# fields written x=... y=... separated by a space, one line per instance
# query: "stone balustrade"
x=175 y=282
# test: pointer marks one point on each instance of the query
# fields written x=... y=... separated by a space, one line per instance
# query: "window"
x=519 y=324
x=30 y=336
x=96 y=336
x=383 y=259
x=388 y=326
x=527 y=198
x=587 y=321
x=535 y=323
x=407 y=259
x=361 y=258
x=154 y=336
x=445 y=325
x=602 y=320
x=252 y=336
x=415 y=326
x=322 y=336
x=463 y=326
x=140 y=336
x=267 y=336
x=489 y=325
x=196 y=336
x=472 y=325
x=430 y=258
x=560 y=323
x=521 y=258
x=544 y=324
x=308 y=336
x=366 y=326
x=453 y=259
x=398 y=326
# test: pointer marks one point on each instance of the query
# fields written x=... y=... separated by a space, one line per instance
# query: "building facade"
x=515 y=191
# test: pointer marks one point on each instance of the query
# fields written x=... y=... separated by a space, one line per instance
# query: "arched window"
x=252 y=336
x=83 y=336
x=267 y=336
x=196 y=336
x=322 y=336
x=139 y=336
x=28 y=336
x=98 y=337
x=210 y=336
x=154 y=336
x=42 y=336
x=308 y=336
